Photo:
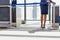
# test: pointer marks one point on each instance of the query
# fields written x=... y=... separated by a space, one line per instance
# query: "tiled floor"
x=31 y=26
x=30 y=29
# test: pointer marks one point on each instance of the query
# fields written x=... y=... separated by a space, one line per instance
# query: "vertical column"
x=24 y=21
x=55 y=15
x=18 y=16
x=25 y=10
x=49 y=12
x=14 y=13
x=34 y=12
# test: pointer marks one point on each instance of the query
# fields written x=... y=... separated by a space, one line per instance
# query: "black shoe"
x=42 y=26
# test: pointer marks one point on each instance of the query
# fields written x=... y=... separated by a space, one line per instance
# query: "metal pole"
x=49 y=11
x=14 y=14
x=25 y=11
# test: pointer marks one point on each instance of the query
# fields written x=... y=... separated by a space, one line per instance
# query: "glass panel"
x=4 y=14
x=4 y=2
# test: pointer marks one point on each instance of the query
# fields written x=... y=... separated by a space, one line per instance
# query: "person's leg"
x=44 y=16
x=41 y=20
